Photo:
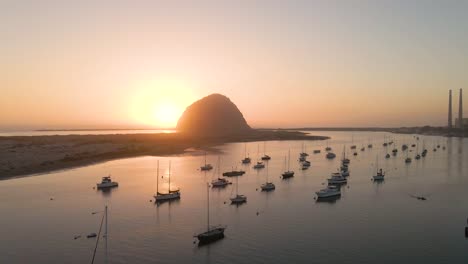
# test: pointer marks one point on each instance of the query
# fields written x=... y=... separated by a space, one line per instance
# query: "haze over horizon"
x=119 y=64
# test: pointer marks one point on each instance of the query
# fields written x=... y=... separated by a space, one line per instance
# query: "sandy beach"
x=29 y=155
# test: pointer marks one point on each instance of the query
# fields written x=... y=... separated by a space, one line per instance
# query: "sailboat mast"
x=157 y=179
x=208 y=202
x=237 y=186
x=289 y=158
x=377 y=163
x=169 y=176
x=105 y=231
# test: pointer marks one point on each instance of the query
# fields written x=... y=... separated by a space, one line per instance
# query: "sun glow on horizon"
x=160 y=102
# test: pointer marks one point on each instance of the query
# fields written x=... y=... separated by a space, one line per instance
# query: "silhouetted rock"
x=214 y=115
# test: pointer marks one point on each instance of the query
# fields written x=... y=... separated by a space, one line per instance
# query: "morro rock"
x=214 y=115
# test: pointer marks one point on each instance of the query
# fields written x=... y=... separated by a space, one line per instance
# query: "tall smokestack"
x=450 y=110
x=460 y=110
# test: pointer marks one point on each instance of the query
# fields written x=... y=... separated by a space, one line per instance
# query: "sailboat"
x=219 y=182
x=408 y=159
x=352 y=142
x=379 y=176
x=288 y=173
x=265 y=156
x=212 y=233
x=267 y=186
x=246 y=159
x=239 y=198
x=345 y=160
x=170 y=195
x=206 y=167
x=304 y=151
x=385 y=141
x=260 y=164
x=328 y=148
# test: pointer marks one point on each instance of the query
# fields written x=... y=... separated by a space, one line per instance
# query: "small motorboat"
x=330 y=155
x=106 y=182
x=206 y=167
x=220 y=182
x=266 y=157
x=91 y=235
x=387 y=156
x=316 y=151
x=330 y=191
x=259 y=165
x=268 y=186
x=287 y=174
x=238 y=199
x=246 y=160
x=337 y=178
x=379 y=176
x=345 y=173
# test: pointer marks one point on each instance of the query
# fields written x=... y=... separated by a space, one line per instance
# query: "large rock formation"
x=214 y=115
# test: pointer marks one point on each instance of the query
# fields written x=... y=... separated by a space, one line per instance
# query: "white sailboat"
x=207 y=166
x=239 y=198
x=219 y=182
x=170 y=195
x=259 y=164
x=265 y=156
x=288 y=173
x=330 y=191
x=267 y=186
x=246 y=159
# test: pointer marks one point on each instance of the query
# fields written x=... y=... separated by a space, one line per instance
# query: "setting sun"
x=160 y=102
x=166 y=114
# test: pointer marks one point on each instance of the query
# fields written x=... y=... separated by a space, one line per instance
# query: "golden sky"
x=82 y=64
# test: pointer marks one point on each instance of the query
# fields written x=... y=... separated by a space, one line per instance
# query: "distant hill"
x=214 y=115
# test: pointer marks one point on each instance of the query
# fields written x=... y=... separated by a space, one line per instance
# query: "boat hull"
x=107 y=185
x=268 y=187
x=330 y=181
x=238 y=199
x=287 y=175
x=167 y=196
x=233 y=173
x=327 y=195
x=211 y=236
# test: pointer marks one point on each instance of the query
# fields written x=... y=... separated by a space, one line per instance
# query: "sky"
x=139 y=64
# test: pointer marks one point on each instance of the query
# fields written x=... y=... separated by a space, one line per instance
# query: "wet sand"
x=30 y=155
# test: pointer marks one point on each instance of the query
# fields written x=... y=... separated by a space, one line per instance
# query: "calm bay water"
x=370 y=223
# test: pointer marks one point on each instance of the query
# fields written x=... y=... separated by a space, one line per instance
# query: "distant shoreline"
x=425 y=130
x=22 y=156
x=104 y=129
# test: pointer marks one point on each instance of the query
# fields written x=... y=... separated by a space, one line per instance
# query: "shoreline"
x=26 y=156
